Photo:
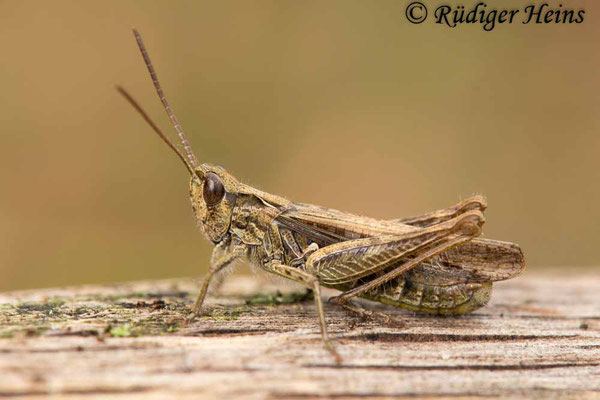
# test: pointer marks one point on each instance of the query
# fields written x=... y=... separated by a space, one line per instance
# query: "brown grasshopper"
x=432 y=263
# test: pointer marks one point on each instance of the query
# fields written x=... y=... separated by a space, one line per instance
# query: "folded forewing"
x=354 y=259
x=482 y=260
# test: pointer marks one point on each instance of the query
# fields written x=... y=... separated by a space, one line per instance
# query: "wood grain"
x=539 y=337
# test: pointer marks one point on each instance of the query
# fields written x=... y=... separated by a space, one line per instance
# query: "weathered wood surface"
x=539 y=337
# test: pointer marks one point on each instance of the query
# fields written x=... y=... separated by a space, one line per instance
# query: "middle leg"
x=312 y=283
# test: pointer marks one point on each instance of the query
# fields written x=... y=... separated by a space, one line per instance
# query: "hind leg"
x=370 y=314
x=439 y=216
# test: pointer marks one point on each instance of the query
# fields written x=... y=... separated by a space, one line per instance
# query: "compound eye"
x=214 y=190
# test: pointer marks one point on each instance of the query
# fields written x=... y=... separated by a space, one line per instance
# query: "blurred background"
x=342 y=104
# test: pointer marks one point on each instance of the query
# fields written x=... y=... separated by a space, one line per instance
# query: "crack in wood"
x=469 y=367
x=228 y=332
x=85 y=392
x=446 y=337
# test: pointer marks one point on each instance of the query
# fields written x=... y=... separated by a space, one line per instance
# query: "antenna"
x=146 y=117
x=186 y=145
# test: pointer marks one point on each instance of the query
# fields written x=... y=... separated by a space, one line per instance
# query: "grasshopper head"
x=213 y=192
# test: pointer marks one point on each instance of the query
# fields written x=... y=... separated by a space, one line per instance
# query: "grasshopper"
x=432 y=263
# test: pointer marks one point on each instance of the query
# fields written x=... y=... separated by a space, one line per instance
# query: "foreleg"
x=219 y=260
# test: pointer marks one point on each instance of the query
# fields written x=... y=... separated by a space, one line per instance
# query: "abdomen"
x=461 y=298
x=419 y=291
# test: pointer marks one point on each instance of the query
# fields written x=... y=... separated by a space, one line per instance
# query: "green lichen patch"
x=85 y=311
x=221 y=314
x=120 y=330
x=158 y=325
x=34 y=331
x=134 y=314
x=280 y=298
x=156 y=316
x=157 y=304
x=51 y=307
x=171 y=326
x=29 y=331
x=7 y=334
x=153 y=326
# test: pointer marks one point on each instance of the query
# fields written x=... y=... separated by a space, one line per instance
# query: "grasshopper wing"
x=353 y=259
x=480 y=260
